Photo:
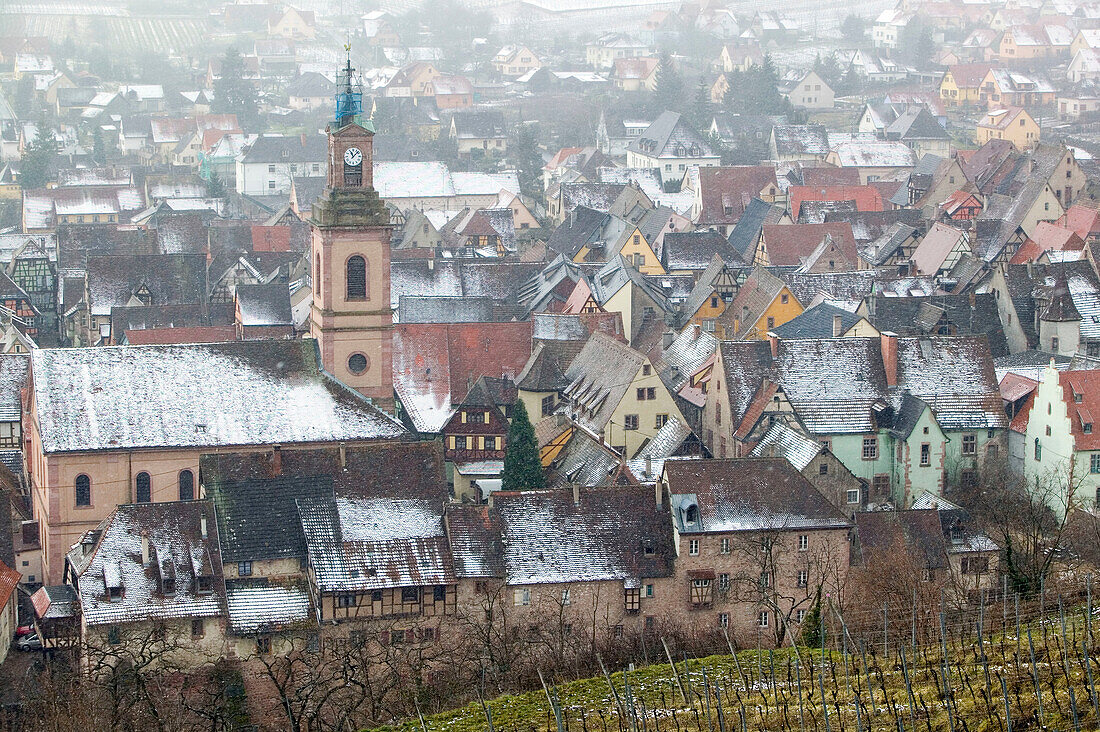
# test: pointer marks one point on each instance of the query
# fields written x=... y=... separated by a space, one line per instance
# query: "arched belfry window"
x=357 y=278
x=83 y=490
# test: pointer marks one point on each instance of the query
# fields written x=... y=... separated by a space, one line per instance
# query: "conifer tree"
x=522 y=466
x=39 y=158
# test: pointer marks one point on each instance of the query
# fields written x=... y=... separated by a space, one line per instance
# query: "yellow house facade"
x=1013 y=124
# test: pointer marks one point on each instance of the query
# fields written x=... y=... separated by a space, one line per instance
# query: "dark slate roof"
x=145 y=317
x=1060 y=308
x=817 y=322
x=292 y=149
x=77 y=243
x=171 y=279
x=663 y=136
x=870 y=225
x=954 y=375
x=694 y=250
x=476 y=541
x=1031 y=283
x=839 y=399
x=311 y=84
x=266 y=304
x=746 y=233
x=445 y=309
x=747 y=494
x=545 y=370
x=13 y=378
x=258 y=518
x=906 y=415
x=614 y=533
x=910 y=316
x=582 y=226
x=917 y=123
x=408 y=469
x=596 y=196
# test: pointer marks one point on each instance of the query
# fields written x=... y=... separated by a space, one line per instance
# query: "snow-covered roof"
x=179 y=553
x=358 y=544
x=257 y=607
x=196 y=396
x=435 y=180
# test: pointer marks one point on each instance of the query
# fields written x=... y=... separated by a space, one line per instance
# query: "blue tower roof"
x=349 y=99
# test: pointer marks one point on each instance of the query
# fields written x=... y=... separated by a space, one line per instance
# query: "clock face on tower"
x=353 y=157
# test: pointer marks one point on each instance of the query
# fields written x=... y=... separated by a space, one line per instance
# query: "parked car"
x=23 y=630
x=29 y=643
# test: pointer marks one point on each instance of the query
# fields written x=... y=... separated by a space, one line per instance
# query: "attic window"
x=691 y=515
x=284 y=153
x=206 y=585
x=1087 y=428
x=1077 y=398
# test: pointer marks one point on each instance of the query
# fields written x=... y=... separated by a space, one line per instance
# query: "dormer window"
x=691 y=515
x=205 y=585
x=1087 y=428
x=1078 y=398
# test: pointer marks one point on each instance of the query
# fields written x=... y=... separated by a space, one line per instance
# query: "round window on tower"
x=358 y=363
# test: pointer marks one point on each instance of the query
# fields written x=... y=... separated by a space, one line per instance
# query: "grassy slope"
x=746 y=690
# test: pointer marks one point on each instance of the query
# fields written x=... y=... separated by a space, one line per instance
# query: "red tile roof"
x=1019 y=422
x=788 y=244
x=756 y=408
x=1084 y=221
x=1047 y=237
x=969 y=76
x=1086 y=385
x=167 y=336
x=866 y=198
x=1014 y=387
x=270 y=238
x=9 y=578
x=435 y=364
x=725 y=191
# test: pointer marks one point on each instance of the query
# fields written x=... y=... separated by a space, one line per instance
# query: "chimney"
x=838 y=326
x=576 y=494
x=303 y=139
x=343 y=455
x=658 y=493
x=648 y=466
x=889 y=344
x=202 y=525
x=666 y=339
x=276 y=461
x=144 y=548
x=773 y=341
x=973 y=297
x=695 y=331
x=431 y=262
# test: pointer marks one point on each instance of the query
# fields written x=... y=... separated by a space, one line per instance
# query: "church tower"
x=350 y=257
